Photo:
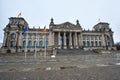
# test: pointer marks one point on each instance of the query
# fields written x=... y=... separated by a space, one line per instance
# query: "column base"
x=59 y=47
x=76 y=47
x=71 y=47
x=64 y=47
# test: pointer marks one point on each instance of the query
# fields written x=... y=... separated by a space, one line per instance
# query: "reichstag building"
x=59 y=36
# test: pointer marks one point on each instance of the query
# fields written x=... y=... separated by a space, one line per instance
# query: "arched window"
x=46 y=44
x=99 y=43
x=88 y=44
x=92 y=44
x=84 y=43
x=12 y=43
x=24 y=43
x=30 y=43
x=108 y=43
x=96 y=43
x=41 y=44
x=13 y=36
x=108 y=38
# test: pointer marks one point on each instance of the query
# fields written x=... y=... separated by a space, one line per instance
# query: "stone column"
x=103 y=40
x=90 y=40
x=59 y=46
x=86 y=37
x=50 y=39
x=98 y=40
x=94 y=41
x=76 y=41
x=70 y=41
x=20 y=41
x=64 y=46
x=53 y=34
x=17 y=40
x=111 y=40
x=79 y=40
x=8 y=40
x=4 y=41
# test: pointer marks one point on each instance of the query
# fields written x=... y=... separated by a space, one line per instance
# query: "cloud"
x=1 y=41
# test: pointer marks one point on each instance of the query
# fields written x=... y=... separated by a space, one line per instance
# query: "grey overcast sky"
x=39 y=12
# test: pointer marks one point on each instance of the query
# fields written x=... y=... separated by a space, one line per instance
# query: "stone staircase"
x=74 y=51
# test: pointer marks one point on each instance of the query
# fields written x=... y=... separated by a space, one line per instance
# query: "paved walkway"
x=62 y=67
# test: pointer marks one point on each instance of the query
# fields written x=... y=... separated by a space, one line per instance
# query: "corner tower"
x=13 y=34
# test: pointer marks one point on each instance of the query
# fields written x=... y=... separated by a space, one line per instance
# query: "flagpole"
x=26 y=45
x=45 y=45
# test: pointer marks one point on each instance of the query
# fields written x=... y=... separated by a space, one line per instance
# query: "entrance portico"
x=66 y=40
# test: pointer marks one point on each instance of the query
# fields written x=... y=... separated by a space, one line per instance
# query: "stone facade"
x=58 y=36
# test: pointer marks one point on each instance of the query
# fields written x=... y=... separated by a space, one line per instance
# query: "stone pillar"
x=98 y=40
x=90 y=40
x=111 y=40
x=53 y=34
x=20 y=39
x=79 y=40
x=76 y=41
x=64 y=46
x=103 y=40
x=70 y=41
x=17 y=40
x=4 y=41
x=50 y=39
x=86 y=37
x=59 y=46
x=94 y=41
x=8 y=40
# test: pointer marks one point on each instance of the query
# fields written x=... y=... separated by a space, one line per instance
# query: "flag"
x=19 y=14
x=25 y=29
x=44 y=29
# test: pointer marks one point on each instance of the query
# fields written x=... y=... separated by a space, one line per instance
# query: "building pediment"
x=67 y=26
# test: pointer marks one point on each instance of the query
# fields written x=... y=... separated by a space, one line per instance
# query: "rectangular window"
x=100 y=37
x=41 y=36
x=84 y=37
x=24 y=35
x=30 y=36
x=46 y=36
x=91 y=37
x=12 y=43
x=87 y=37
x=95 y=37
